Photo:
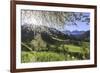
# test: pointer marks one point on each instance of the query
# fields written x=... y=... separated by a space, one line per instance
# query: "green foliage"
x=63 y=48
x=45 y=57
x=49 y=56
x=41 y=57
x=85 y=45
x=57 y=53
x=85 y=50
x=27 y=57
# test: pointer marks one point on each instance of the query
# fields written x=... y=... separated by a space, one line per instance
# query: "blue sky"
x=81 y=26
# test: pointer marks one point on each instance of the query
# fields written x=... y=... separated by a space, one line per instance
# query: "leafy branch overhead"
x=53 y=18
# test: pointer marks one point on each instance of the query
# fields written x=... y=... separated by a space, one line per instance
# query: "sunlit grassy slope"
x=73 y=48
